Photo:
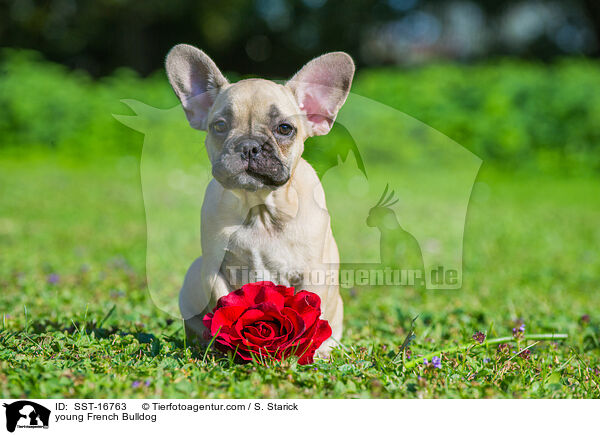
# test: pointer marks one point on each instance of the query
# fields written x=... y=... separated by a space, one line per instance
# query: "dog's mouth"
x=276 y=179
x=252 y=179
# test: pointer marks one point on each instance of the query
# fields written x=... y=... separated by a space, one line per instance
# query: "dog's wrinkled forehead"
x=253 y=101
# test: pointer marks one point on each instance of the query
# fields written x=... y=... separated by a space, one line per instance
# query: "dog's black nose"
x=249 y=148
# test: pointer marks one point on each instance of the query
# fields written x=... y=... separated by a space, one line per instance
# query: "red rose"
x=268 y=321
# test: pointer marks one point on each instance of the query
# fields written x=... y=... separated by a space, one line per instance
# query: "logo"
x=25 y=414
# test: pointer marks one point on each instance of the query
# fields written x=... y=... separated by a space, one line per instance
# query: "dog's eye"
x=220 y=126
x=285 y=129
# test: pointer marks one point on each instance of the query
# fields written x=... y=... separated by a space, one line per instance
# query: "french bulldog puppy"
x=264 y=215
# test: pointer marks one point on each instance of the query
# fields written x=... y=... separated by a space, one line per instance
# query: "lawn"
x=78 y=320
x=95 y=235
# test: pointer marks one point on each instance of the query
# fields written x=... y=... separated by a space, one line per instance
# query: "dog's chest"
x=281 y=255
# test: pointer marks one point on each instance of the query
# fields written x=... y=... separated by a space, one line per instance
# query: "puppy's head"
x=256 y=128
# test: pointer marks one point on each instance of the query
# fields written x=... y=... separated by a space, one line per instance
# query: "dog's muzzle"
x=263 y=162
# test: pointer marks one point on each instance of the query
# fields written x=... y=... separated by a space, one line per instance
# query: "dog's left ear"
x=321 y=88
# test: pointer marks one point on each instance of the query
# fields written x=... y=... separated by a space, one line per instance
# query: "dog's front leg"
x=202 y=288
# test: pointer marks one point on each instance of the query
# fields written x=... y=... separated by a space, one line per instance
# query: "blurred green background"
x=516 y=83
x=513 y=81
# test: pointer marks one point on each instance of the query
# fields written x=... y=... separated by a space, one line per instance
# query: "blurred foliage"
x=47 y=105
x=101 y=35
x=511 y=112
x=275 y=36
x=514 y=113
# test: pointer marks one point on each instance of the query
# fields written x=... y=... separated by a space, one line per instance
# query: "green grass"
x=530 y=256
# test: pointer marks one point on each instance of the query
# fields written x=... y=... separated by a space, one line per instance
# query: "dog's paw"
x=324 y=351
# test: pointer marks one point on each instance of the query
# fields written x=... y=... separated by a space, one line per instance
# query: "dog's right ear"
x=196 y=80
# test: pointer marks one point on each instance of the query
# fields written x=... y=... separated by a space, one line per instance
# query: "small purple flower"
x=436 y=362
x=518 y=332
x=136 y=384
x=479 y=337
x=53 y=278
x=503 y=348
x=147 y=383
x=525 y=354
x=486 y=360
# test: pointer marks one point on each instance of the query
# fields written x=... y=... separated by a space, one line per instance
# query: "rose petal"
x=226 y=316
x=241 y=297
x=322 y=333
x=207 y=320
x=259 y=336
x=308 y=345
x=307 y=304
x=249 y=317
x=262 y=312
x=304 y=300
x=297 y=321
x=270 y=295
